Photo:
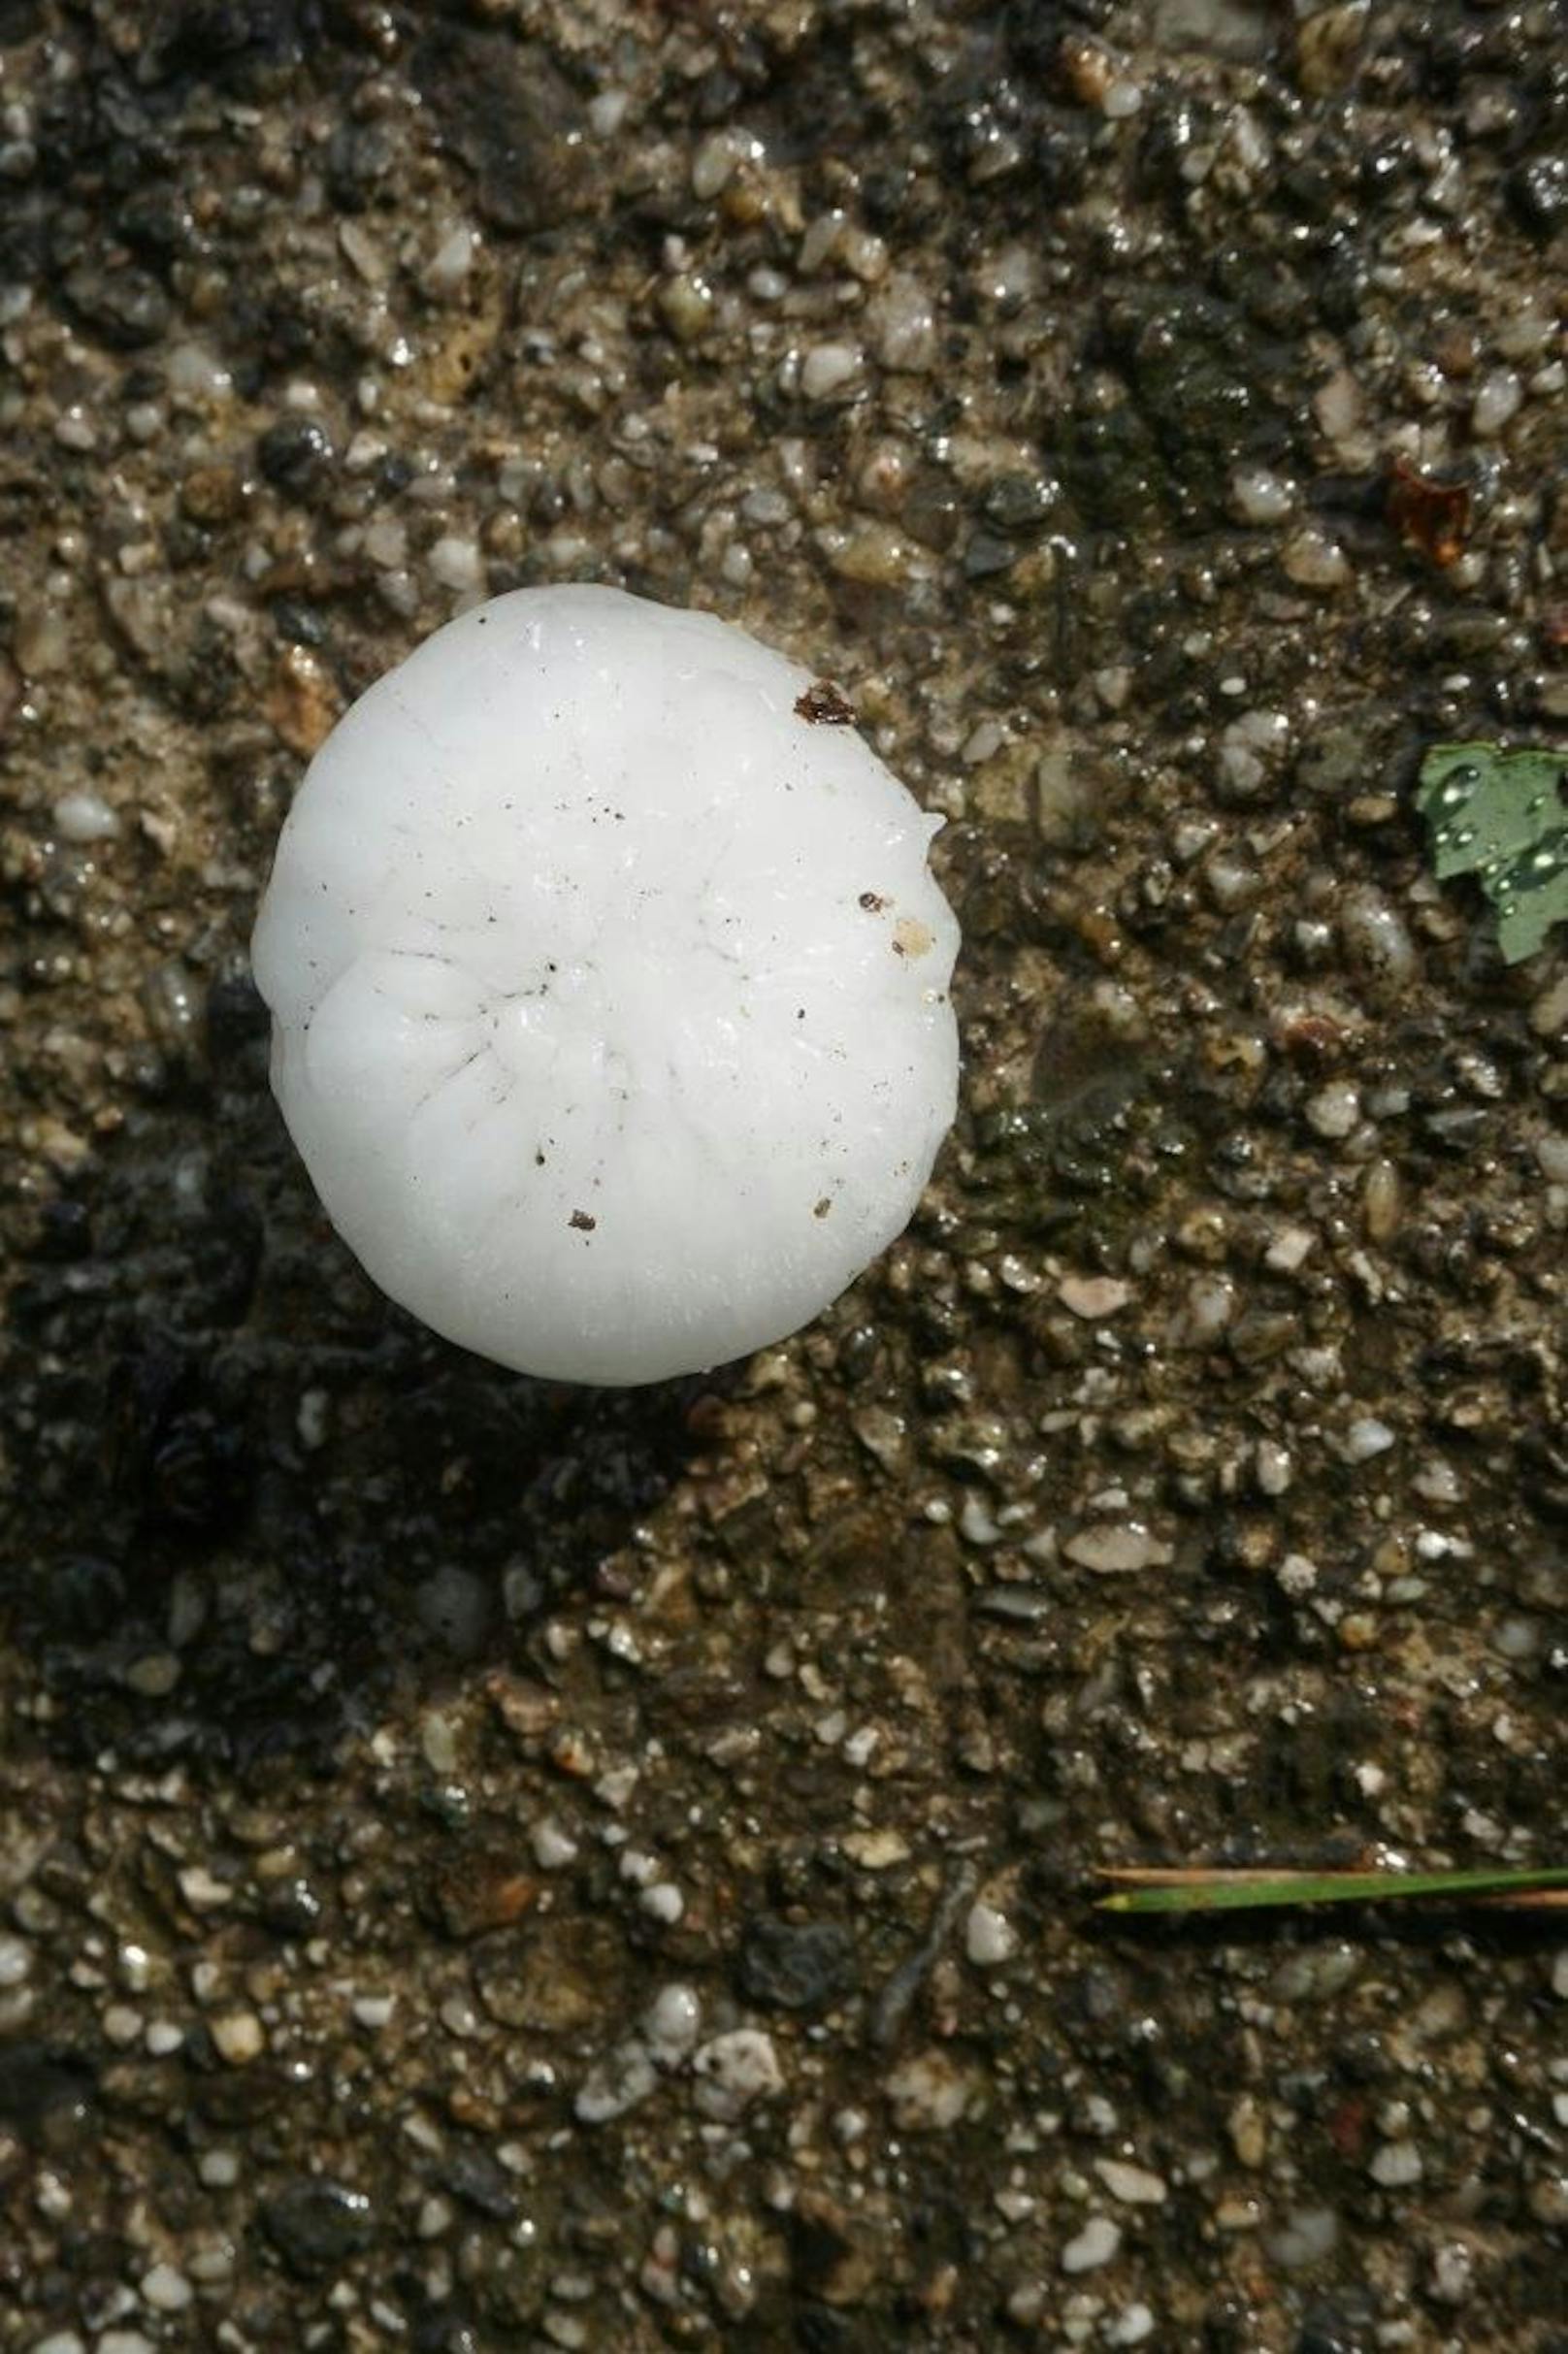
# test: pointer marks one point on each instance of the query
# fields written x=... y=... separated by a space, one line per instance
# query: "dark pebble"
x=46 y=2096
x=795 y=1966
x=1020 y=502
x=512 y=118
x=478 y=2178
x=124 y=308
x=82 y=1597
x=295 y=455
x=292 y=1908
x=986 y=555
x=1539 y=190
x=317 y=2226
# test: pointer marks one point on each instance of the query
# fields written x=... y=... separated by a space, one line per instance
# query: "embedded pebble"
x=622 y=2081
x=736 y=2070
x=1335 y=1112
x=238 y=2037
x=1376 y=939
x=1114 y=1550
x=1500 y=398
x=1381 y=1201
x=166 y=2290
x=1365 y=1438
x=1260 y=497
x=827 y=369
x=457 y=563
x=1305 y=2237
x=1093 y=1296
x=84 y=817
x=904 y=326
x=930 y=2092
x=1395 y=2165
x=673 y=2023
x=1314 y=561
x=1095 y=2244
x=1133 y=2186
x=989 y=1936
x=446 y=273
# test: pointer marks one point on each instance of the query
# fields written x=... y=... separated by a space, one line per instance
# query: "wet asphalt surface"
x=487 y=1865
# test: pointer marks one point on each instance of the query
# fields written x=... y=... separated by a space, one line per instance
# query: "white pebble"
x=84 y=817
x=905 y=326
x=736 y=2070
x=373 y=2011
x=1314 y=561
x=607 y=112
x=930 y=2092
x=1375 y=940
x=1272 y=1468
x=1497 y=402
x=1335 y=1110
x=554 y=1849
x=1436 y=1482
x=1560 y=1975
x=1251 y=748
x=1306 y=2235
x=239 y=2038
x=673 y=2022
x=663 y=1902
x=718 y=158
x=1365 y=1438
x=457 y=563
x=625 y=2077
x=192 y=375
x=202 y=1892
x=16 y=1960
x=165 y=2289
x=1261 y=496
x=989 y=1936
x=1116 y=1549
x=1131 y=2328
x=1210 y=1305
x=450 y=263
x=1337 y=404
x=1133 y=2186
x=827 y=369
x=1396 y=2164
x=1095 y=2244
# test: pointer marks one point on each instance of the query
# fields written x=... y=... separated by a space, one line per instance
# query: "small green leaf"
x=1502 y=816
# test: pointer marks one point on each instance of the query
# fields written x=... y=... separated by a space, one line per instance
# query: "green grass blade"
x=1244 y=1891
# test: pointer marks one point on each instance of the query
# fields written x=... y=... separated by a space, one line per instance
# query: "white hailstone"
x=609 y=989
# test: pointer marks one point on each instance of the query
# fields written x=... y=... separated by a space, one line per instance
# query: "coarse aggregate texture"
x=485 y=1865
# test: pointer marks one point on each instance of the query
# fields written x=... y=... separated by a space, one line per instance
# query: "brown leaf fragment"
x=824 y=706
x=1431 y=517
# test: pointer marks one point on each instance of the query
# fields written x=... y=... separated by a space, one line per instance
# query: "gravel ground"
x=486 y=1865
